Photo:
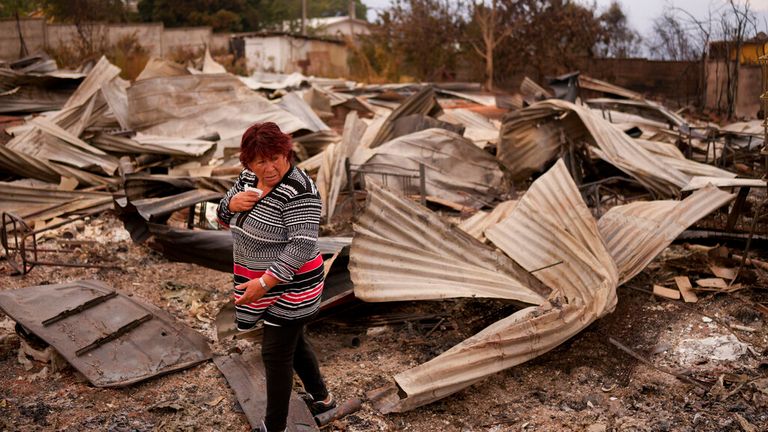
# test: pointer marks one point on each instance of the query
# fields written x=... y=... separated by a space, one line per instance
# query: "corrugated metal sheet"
x=191 y=106
x=479 y=222
x=550 y=223
x=703 y=181
x=150 y=144
x=589 y=83
x=455 y=168
x=57 y=139
x=524 y=144
x=332 y=176
x=296 y=105
x=24 y=165
x=422 y=102
x=636 y=233
x=37 y=203
x=477 y=127
x=402 y=251
x=533 y=92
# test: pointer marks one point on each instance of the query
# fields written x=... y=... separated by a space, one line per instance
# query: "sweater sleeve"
x=301 y=216
x=223 y=212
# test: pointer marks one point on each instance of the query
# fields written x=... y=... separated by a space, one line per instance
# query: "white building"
x=285 y=53
x=340 y=27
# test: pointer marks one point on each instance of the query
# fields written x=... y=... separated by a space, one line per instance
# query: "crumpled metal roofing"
x=332 y=174
x=703 y=181
x=455 y=168
x=549 y=224
x=57 y=138
x=551 y=232
x=477 y=127
x=402 y=251
x=24 y=165
x=296 y=105
x=645 y=108
x=594 y=84
x=636 y=233
x=191 y=106
x=533 y=135
x=421 y=102
x=476 y=224
x=39 y=203
x=151 y=144
x=27 y=92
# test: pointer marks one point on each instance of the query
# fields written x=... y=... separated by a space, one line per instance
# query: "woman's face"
x=269 y=170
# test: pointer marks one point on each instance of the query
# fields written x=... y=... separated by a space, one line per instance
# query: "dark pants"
x=284 y=349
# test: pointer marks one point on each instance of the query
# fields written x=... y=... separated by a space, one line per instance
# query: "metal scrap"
x=112 y=339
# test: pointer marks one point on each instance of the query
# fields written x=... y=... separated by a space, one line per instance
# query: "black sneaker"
x=319 y=407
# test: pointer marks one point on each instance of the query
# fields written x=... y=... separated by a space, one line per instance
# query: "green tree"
x=550 y=37
x=618 y=40
x=421 y=37
x=9 y=8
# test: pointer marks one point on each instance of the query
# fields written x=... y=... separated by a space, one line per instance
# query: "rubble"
x=541 y=218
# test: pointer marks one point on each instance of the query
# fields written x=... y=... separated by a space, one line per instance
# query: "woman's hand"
x=243 y=201
x=253 y=292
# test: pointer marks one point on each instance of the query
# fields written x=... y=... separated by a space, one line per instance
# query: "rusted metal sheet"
x=245 y=374
x=149 y=144
x=594 y=84
x=455 y=168
x=532 y=92
x=32 y=92
x=190 y=106
x=296 y=105
x=402 y=251
x=40 y=203
x=421 y=102
x=480 y=221
x=112 y=339
x=636 y=233
x=24 y=165
x=477 y=127
x=540 y=232
x=331 y=178
x=532 y=136
x=701 y=182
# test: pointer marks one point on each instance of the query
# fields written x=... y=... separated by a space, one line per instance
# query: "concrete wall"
x=150 y=35
x=33 y=32
x=186 y=39
x=285 y=54
x=747 y=94
x=158 y=40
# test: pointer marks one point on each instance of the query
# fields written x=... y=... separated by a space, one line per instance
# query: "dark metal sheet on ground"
x=245 y=374
x=112 y=339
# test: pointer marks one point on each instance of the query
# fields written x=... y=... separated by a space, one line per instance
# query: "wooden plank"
x=666 y=292
x=686 y=289
x=722 y=272
x=245 y=375
x=717 y=283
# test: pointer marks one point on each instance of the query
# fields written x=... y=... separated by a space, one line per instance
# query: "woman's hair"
x=264 y=140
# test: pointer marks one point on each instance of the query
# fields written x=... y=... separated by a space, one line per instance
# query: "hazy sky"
x=640 y=13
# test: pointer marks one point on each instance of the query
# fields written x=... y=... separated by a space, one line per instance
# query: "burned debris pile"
x=538 y=199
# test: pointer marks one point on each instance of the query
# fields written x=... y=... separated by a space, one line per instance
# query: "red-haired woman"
x=273 y=211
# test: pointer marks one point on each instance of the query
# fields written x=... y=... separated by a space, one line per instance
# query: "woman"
x=273 y=211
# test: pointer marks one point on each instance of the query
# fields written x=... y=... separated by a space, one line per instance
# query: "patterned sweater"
x=277 y=236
